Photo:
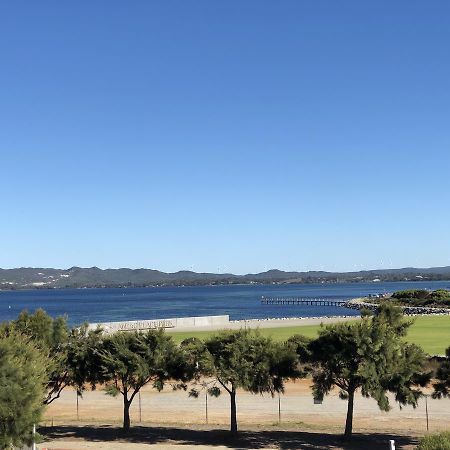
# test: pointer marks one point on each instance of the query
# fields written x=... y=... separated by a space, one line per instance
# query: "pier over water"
x=302 y=301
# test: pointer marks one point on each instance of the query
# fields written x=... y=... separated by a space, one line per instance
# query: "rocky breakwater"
x=362 y=303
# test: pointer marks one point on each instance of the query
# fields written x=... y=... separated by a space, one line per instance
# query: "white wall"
x=171 y=323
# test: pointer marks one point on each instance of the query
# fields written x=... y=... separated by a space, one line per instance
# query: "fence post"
x=206 y=405
x=279 y=408
x=34 y=435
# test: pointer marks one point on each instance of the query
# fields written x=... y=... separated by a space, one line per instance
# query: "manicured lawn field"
x=432 y=333
x=278 y=334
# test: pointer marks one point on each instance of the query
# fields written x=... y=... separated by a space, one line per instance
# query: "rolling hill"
x=78 y=277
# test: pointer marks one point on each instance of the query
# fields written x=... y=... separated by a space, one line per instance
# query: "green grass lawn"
x=278 y=334
x=432 y=333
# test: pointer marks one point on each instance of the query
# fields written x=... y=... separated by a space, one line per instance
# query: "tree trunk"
x=349 y=420
x=126 y=414
x=233 y=427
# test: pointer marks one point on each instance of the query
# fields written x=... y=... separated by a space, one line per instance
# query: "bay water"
x=240 y=302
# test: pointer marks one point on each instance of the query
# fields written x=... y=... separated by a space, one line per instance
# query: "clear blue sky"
x=225 y=136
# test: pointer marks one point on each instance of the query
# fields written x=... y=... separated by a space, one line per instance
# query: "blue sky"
x=225 y=136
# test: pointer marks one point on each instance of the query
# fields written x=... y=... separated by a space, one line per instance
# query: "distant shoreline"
x=95 y=278
x=197 y=285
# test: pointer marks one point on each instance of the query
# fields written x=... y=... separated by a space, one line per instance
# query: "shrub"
x=421 y=297
x=420 y=301
x=439 y=441
x=22 y=376
x=440 y=295
x=411 y=293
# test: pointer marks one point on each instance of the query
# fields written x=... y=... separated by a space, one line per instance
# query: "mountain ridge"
x=89 y=277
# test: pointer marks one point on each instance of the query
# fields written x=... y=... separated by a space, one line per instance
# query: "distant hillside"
x=78 y=277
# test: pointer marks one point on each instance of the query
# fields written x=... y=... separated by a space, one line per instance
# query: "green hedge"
x=439 y=441
x=411 y=293
x=421 y=297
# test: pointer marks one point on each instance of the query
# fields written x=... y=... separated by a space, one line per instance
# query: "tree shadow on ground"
x=246 y=439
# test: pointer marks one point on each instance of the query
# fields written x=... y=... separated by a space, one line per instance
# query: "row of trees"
x=40 y=356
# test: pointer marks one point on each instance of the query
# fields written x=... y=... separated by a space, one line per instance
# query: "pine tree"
x=67 y=350
x=442 y=384
x=244 y=359
x=129 y=361
x=369 y=355
x=22 y=378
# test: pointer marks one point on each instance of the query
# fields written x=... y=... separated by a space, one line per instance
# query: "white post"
x=391 y=445
x=34 y=434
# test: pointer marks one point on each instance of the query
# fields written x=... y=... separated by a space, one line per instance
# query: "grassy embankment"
x=432 y=333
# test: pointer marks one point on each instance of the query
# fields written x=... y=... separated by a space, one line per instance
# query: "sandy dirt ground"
x=170 y=419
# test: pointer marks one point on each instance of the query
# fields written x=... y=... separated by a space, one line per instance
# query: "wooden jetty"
x=302 y=301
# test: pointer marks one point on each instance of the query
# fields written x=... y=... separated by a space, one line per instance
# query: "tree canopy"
x=369 y=355
x=22 y=378
x=442 y=384
x=128 y=361
x=67 y=350
x=245 y=359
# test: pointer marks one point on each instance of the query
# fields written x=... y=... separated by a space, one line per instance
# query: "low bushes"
x=439 y=441
x=421 y=298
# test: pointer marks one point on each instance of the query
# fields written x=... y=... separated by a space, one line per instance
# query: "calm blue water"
x=240 y=302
